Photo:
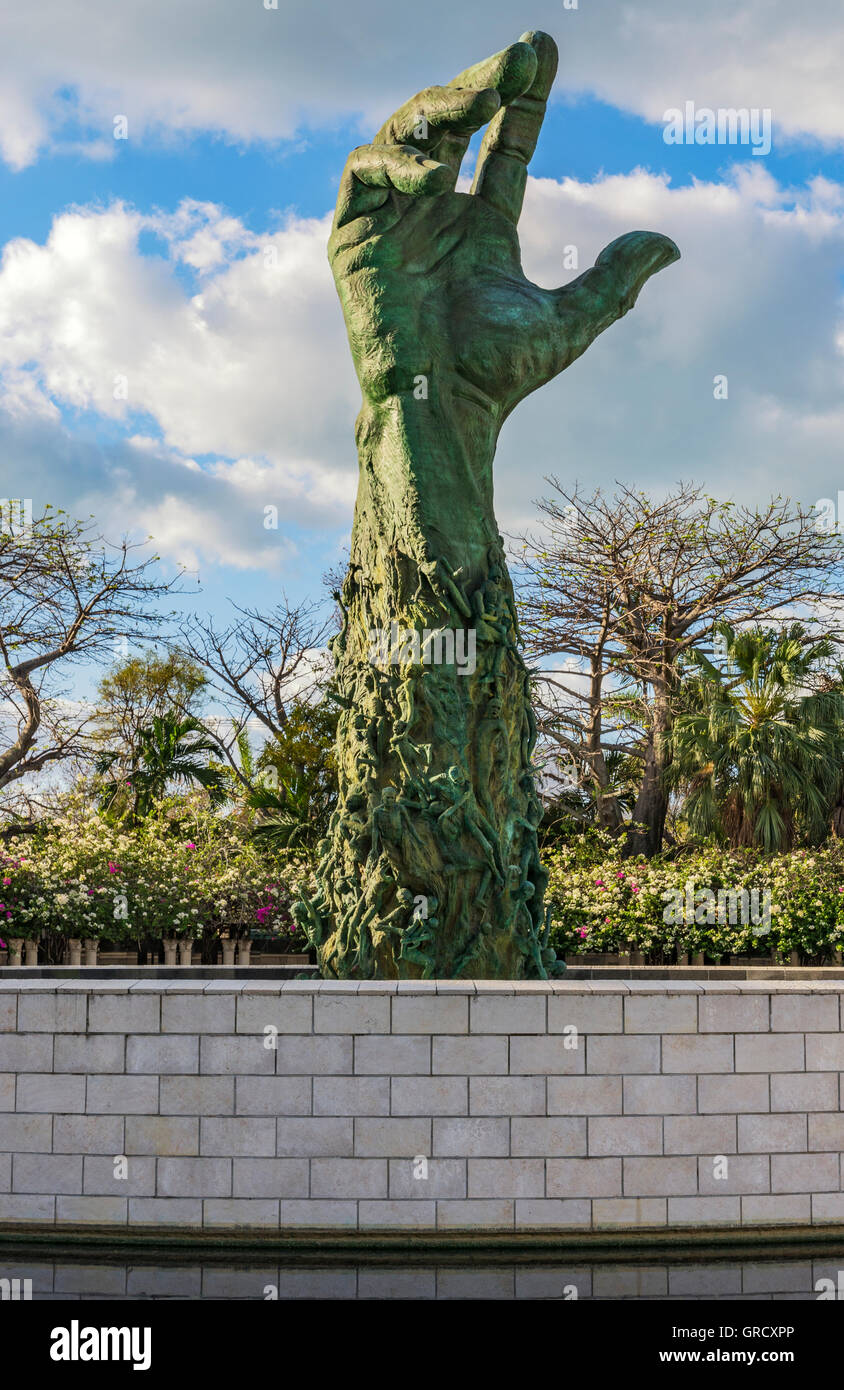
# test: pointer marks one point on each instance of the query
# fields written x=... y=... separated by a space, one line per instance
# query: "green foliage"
x=171 y=750
x=297 y=777
x=574 y=808
x=182 y=871
x=135 y=691
x=759 y=748
x=601 y=901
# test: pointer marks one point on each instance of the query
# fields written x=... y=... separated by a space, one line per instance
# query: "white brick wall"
x=450 y=1106
x=757 y=1280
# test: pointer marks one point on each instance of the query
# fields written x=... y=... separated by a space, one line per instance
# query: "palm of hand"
x=431 y=280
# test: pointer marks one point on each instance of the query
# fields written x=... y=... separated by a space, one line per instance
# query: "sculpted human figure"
x=442 y=581
x=461 y=814
x=353 y=835
x=492 y=734
x=411 y=755
x=492 y=613
x=417 y=947
x=448 y=335
x=392 y=828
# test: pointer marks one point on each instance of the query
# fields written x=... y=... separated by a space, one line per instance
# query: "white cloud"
x=756 y=297
x=136 y=488
x=249 y=73
x=241 y=393
x=252 y=369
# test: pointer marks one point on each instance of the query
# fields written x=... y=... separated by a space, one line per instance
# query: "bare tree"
x=622 y=587
x=568 y=615
x=66 y=596
x=260 y=664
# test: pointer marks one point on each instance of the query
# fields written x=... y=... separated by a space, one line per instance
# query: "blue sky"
x=145 y=257
x=582 y=138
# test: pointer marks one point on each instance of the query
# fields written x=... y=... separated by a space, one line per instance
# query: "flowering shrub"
x=184 y=871
x=710 y=900
x=187 y=871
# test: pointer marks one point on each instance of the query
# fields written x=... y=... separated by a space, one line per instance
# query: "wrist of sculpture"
x=426 y=480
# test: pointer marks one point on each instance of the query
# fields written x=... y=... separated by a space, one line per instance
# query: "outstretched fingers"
x=439 y=122
x=510 y=141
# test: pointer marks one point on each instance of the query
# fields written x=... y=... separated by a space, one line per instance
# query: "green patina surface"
x=431 y=867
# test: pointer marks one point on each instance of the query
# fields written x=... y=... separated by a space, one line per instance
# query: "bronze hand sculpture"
x=447 y=336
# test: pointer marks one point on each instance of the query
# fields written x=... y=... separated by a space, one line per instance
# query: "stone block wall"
x=420 y=1107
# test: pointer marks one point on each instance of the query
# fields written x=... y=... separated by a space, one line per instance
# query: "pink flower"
x=191 y=844
x=599 y=883
x=634 y=889
x=112 y=868
x=6 y=882
x=620 y=874
x=2 y=945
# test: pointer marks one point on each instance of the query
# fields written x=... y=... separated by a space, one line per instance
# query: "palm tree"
x=295 y=786
x=290 y=785
x=573 y=802
x=170 y=749
x=759 y=746
x=285 y=817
